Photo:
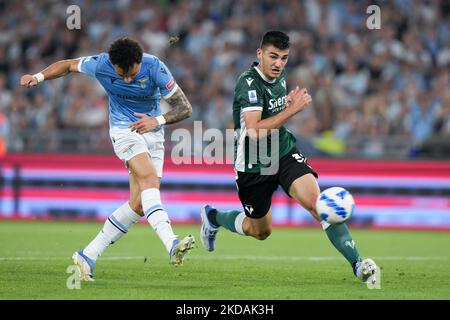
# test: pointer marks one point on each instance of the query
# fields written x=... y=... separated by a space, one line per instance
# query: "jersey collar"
x=262 y=74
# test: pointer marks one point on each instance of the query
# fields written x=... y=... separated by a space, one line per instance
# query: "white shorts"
x=128 y=144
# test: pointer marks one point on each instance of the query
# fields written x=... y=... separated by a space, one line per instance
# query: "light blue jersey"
x=142 y=95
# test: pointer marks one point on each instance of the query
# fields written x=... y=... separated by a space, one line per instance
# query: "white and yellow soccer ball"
x=335 y=205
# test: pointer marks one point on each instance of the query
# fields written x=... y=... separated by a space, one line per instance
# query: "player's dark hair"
x=125 y=52
x=278 y=39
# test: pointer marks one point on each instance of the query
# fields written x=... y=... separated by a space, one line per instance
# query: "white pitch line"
x=232 y=257
x=68 y=258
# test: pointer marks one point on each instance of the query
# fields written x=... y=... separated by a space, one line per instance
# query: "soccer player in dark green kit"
x=261 y=107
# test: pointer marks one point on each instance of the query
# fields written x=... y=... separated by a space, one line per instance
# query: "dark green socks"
x=340 y=237
x=226 y=219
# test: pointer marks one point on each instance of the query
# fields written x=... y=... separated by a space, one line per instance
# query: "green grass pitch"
x=290 y=264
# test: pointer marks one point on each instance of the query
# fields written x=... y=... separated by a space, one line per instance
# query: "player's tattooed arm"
x=181 y=107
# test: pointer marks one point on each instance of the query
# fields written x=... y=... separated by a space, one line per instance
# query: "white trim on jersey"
x=167 y=96
x=263 y=76
x=252 y=109
x=240 y=155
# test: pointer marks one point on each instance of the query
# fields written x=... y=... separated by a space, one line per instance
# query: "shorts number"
x=299 y=157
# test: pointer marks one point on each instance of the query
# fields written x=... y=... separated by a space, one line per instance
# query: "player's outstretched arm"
x=55 y=70
x=181 y=107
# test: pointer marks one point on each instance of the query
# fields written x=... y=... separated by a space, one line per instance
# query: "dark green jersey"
x=255 y=92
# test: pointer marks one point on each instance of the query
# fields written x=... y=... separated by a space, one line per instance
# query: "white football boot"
x=85 y=266
x=179 y=250
x=366 y=271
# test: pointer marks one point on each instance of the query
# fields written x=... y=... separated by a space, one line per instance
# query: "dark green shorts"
x=256 y=190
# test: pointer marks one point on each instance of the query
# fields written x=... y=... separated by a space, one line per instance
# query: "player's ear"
x=259 y=53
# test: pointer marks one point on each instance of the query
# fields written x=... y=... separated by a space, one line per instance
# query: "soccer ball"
x=335 y=205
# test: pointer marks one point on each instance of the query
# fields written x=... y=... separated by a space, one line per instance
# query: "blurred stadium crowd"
x=376 y=93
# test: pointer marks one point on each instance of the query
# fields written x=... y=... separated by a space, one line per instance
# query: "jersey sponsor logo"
x=249 y=81
x=274 y=104
x=170 y=84
x=132 y=97
x=252 y=97
x=163 y=70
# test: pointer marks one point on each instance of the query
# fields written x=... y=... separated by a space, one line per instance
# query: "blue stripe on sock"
x=150 y=210
x=117 y=224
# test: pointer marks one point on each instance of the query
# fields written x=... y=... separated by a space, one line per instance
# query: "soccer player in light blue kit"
x=135 y=82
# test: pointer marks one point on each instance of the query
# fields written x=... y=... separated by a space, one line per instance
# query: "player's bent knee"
x=263 y=234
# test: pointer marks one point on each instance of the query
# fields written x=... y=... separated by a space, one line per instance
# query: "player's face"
x=130 y=75
x=272 y=61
